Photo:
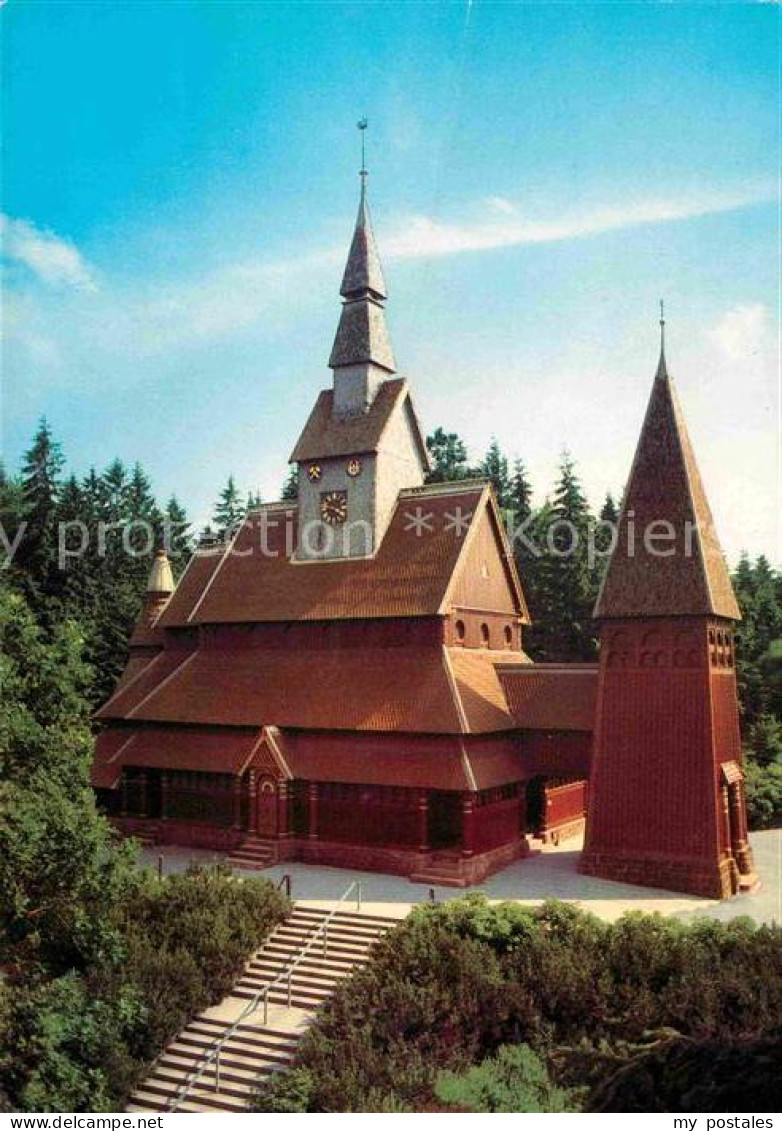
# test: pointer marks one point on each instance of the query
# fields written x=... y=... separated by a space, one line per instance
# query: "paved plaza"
x=551 y=872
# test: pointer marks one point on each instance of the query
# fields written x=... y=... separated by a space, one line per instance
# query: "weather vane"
x=362 y=124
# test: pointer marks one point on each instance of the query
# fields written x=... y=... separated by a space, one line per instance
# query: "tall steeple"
x=666 y=800
x=667 y=560
x=362 y=356
x=662 y=368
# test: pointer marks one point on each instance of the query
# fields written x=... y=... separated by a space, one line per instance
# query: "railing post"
x=217 y=1070
x=290 y=972
x=266 y=1005
x=358 y=896
x=325 y=939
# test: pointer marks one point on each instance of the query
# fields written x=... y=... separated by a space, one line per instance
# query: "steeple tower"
x=363 y=443
x=667 y=805
x=361 y=356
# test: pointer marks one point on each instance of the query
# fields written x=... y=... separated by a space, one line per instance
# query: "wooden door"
x=267 y=807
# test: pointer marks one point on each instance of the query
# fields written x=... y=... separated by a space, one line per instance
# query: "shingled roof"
x=362 y=270
x=665 y=487
x=255 y=579
x=326 y=435
x=550 y=697
x=362 y=335
x=420 y=690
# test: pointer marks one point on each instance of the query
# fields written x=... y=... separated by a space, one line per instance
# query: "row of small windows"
x=486 y=636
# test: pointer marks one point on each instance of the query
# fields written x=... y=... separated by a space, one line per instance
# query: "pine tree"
x=449 y=457
x=58 y=871
x=253 y=501
x=76 y=576
x=40 y=482
x=495 y=468
x=145 y=525
x=229 y=510
x=759 y=593
x=12 y=515
x=290 y=488
x=559 y=581
x=520 y=493
x=610 y=511
x=178 y=535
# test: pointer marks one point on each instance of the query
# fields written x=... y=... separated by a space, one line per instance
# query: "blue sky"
x=179 y=189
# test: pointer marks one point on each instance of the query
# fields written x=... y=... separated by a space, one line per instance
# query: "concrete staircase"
x=255 y=1050
x=253 y=853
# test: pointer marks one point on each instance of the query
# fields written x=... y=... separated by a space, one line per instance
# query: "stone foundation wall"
x=695 y=877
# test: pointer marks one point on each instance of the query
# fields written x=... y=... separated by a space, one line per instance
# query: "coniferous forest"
x=102 y=962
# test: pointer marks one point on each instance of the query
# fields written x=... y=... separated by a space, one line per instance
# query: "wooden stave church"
x=343 y=681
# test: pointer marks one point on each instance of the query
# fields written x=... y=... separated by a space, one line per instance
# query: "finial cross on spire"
x=362 y=124
x=662 y=324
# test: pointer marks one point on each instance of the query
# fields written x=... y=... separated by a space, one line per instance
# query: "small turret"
x=160 y=586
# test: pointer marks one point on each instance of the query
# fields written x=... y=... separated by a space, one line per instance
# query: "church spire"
x=662 y=369
x=362 y=336
x=667 y=559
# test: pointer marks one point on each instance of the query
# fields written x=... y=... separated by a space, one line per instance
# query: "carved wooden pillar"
x=163 y=795
x=726 y=829
x=283 y=815
x=253 y=798
x=237 y=799
x=143 y=808
x=738 y=829
x=468 y=824
x=312 y=810
x=423 y=820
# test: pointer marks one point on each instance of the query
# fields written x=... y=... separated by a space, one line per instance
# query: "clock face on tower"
x=334 y=507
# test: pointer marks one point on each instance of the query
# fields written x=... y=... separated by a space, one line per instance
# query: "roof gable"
x=665 y=487
x=254 y=579
x=485 y=576
x=328 y=435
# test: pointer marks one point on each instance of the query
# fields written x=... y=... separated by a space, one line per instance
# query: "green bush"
x=188 y=937
x=81 y=1041
x=515 y=1079
x=763 y=786
x=285 y=1092
x=680 y=1075
x=454 y=982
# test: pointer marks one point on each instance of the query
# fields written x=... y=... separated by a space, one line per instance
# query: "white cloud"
x=743 y=332
x=50 y=257
x=421 y=236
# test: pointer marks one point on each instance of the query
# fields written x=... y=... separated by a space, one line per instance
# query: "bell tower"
x=362 y=443
x=667 y=802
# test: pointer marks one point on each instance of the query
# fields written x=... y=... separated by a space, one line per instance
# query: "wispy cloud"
x=504 y=225
x=51 y=258
x=158 y=314
x=744 y=332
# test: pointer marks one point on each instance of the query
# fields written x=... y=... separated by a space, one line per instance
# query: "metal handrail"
x=262 y=996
